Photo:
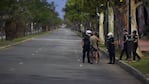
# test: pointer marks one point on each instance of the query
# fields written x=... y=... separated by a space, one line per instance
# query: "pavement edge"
x=13 y=44
x=136 y=73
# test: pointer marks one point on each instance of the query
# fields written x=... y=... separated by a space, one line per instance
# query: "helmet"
x=110 y=34
x=134 y=31
x=88 y=32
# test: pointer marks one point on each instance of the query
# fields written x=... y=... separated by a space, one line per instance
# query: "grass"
x=5 y=42
x=142 y=65
x=78 y=33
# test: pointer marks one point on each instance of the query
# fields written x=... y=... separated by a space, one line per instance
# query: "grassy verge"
x=5 y=42
x=142 y=65
x=78 y=33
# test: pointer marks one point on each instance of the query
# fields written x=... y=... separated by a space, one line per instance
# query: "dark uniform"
x=111 y=49
x=125 y=47
x=135 y=45
x=86 y=48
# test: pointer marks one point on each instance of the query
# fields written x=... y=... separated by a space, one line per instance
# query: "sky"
x=60 y=4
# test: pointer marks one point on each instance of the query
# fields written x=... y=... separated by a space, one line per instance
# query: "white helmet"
x=88 y=32
x=110 y=34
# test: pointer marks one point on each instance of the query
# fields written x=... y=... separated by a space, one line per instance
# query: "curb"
x=13 y=44
x=136 y=73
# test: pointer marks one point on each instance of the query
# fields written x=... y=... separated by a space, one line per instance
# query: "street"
x=56 y=59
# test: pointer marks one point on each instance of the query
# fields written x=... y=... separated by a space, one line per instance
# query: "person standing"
x=135 y=45
x=86 y=46
x=111 y=48
x=94 y=45
x=125 y=45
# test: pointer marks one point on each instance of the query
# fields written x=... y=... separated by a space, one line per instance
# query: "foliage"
x=78 y=11
x=24 y=12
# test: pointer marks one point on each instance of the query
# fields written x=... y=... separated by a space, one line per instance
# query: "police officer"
x=135 y=45
x=125 y=45
x=86 y=46
x=111 y=48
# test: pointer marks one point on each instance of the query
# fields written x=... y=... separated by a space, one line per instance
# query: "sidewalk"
x=144 y=45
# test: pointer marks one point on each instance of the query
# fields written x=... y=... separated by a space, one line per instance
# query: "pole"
x=130 y=40
x=107 y=17
x=97 y=24
x=107 y=21
x=129 y=17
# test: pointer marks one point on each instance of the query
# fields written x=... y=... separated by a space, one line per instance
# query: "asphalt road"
x=55 y=59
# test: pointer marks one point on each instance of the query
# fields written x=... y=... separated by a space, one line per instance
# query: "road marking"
x=20 y=63
x=81 y=65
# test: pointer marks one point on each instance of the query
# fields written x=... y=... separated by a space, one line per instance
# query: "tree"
x=82 y=12
x=134 y=5
x=146 y=11
x=17 y=13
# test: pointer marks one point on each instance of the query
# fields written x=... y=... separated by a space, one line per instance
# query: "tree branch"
x=139 y=3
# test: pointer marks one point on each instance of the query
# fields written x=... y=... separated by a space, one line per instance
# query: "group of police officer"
x=130 y=43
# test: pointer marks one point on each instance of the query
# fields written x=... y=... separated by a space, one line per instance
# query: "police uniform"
x=125 y=47
x=135 y=45
x=86 y=48
x=111 y=49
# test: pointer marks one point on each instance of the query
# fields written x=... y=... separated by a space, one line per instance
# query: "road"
x=55 y=59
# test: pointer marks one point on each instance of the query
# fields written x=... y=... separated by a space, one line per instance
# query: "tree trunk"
x=134 y=21
x=133 y=14
x=20 y=28
x=10 y=28
x=101 y=28
x=140 y=20
x=120 y=24
x=43 y=28
x=146 y=4
x=111 y=20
